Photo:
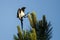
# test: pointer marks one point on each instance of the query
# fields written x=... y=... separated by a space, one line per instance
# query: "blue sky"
x=8 y=12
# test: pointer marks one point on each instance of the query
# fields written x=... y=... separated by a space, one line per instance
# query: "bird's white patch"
x=21 y=14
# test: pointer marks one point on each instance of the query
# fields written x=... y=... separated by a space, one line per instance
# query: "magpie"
x=21 y=14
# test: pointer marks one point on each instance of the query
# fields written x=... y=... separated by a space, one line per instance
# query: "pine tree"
x=45 y=29
x=41 y=29
x=26 y=36
x=19 y=34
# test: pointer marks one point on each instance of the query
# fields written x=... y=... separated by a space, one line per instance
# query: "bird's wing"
x=18 y=12
x=23 y=9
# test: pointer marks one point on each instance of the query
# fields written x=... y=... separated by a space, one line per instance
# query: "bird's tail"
x=26 y=15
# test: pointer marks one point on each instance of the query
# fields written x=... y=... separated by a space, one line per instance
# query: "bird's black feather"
x=23 y=9
x=19 y=10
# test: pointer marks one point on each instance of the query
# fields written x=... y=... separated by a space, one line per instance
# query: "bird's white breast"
x=21 y=14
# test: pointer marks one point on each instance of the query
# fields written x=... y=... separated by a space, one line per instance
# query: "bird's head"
x=23 y=9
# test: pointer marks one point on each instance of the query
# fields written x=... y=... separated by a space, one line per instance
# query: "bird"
x=21 y=14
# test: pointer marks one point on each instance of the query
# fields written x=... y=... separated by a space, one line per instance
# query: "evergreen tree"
x=41 y=30
x=45 y=30
x=42 y=27
x=26 y=36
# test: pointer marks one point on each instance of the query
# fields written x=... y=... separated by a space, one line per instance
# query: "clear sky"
x=8 y=12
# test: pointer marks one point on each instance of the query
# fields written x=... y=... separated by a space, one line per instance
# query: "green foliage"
x=26 y=36
x=32 y=19
x=45 y=30
x=15 y=37
x=41 y=29
x=33 y=34
x=19 y=33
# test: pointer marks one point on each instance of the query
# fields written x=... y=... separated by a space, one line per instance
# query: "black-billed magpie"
x=21 y=14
